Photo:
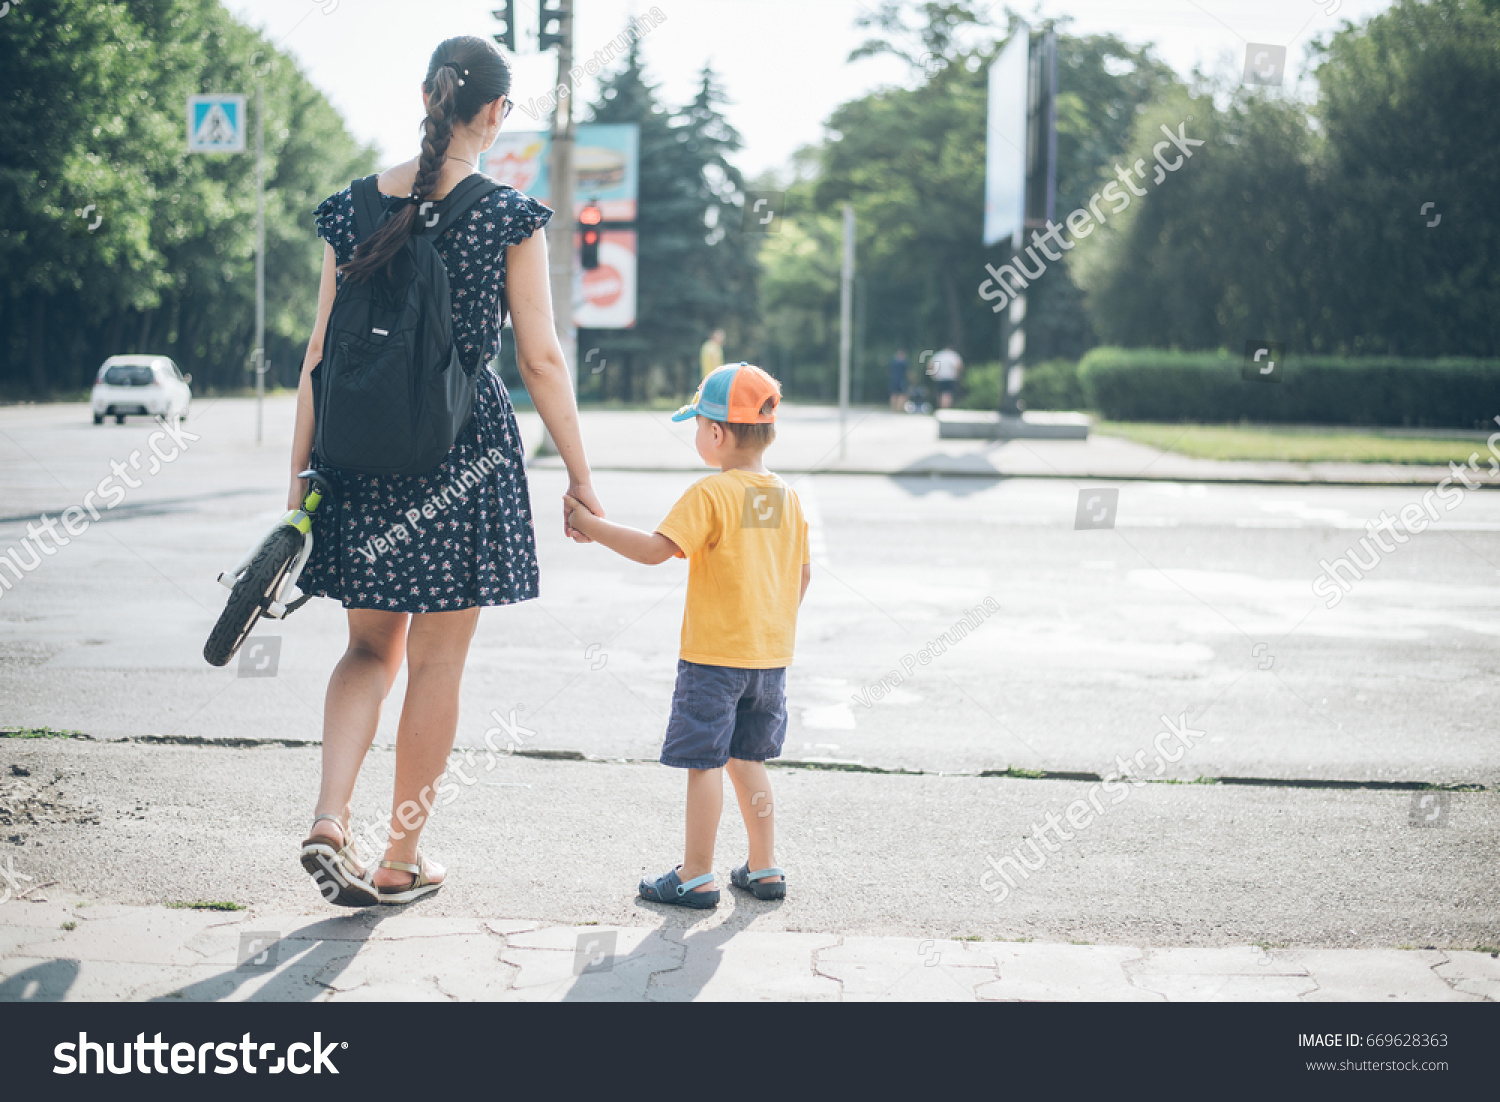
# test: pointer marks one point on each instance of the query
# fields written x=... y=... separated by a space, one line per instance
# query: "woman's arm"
x=543 y=368
x=302 y=434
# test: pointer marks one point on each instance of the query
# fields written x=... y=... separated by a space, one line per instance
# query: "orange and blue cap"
x=735 y=394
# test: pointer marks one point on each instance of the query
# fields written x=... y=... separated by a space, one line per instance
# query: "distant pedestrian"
x=743 y=534
x=899 y=366
x=711 y=355
x=945 y=367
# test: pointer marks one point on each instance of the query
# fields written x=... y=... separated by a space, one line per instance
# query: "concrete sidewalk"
x=115 y=850
x=879 y=442
x=56 y=951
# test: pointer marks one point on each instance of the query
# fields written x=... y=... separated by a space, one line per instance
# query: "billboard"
x=604 y=297
x=606 y=161
x=1006 y=141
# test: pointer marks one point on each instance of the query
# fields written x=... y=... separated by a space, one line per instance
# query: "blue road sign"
x=216 y=123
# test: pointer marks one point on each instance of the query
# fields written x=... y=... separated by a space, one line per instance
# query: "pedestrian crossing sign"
x=216 y=123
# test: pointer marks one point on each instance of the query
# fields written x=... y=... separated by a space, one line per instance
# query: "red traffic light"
x=590 y=215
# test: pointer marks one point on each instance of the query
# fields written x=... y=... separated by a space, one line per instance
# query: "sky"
x=783 y=63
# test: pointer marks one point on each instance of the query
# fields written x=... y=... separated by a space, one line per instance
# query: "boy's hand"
x=579 y=494
x=576 y=516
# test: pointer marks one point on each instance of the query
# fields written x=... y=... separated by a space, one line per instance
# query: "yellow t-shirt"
x=710 y=357
x=745 y=540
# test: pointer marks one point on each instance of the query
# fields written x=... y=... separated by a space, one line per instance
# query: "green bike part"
x=298 y=519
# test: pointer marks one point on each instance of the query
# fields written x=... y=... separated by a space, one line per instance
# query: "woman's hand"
x=296 y=493
x=579 y=494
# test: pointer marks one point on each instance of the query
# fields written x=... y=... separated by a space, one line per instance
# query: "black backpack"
x=391 y=395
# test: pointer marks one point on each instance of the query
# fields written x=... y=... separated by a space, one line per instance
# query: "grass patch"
x=207 y=905
x=1296 y=444
x=38 y=732
x=70 y=925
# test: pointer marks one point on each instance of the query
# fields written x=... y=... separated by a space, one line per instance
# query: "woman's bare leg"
x=351 y=710
x=437 y=645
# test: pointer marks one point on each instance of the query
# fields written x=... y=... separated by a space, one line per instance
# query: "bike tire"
x=252 y=594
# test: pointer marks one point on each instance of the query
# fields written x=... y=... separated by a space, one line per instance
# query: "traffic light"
x=506 y=16
x=555 y=15
x=588 y=220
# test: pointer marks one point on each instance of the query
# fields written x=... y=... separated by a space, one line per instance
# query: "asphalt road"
x=1197 y=603
x=566 y=842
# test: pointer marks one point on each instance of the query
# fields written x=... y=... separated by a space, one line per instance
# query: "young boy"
x=745 y=540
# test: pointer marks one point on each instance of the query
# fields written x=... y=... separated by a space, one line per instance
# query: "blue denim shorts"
x=720 y=712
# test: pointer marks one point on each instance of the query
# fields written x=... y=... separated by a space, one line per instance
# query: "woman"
x=420 y=600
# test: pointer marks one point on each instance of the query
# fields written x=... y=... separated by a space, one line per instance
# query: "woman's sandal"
x=335 y=871
x=752 y=882
x=420 y=883
x=669 y=888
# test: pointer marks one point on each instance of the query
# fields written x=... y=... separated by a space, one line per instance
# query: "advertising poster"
x=605 y=161
x=604 y=297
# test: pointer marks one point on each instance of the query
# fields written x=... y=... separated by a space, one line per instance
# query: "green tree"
x=1408 y=106
x=695 y=271
x=1310 y=224
x=92 y=115
x=911 y=161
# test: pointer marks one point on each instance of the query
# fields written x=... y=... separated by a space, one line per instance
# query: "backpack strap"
x=367 y=209
x=469 y=191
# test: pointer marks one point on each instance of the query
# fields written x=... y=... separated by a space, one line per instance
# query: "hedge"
x=1144 y=384
x=1049 y=385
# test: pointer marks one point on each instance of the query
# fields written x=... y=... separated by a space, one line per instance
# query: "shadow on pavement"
x=300 y=962
x=702 y=956
x=41 y=983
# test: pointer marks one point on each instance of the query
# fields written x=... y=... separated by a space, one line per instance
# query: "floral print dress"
x=460 y=535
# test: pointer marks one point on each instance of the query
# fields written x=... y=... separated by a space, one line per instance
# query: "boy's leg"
x=752 y=786
x=705 y=803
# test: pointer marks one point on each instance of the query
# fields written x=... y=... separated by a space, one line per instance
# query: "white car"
x=149 y=386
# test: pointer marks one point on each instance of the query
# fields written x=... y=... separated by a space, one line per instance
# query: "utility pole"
x=260 y=260
x=846 y=335
x=560 y=169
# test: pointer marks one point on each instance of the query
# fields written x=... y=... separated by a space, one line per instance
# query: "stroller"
x=917 y=400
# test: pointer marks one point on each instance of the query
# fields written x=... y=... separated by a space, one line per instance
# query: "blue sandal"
x=746 y=880
x=669 y=888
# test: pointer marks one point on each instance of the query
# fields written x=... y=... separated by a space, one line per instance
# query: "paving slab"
x=1238 y=974
x=1039 y=971
x=60 y=979
x=139 y=935
x=286 y=970
x=1472 y=973
x=589 y=963
x=1376 y=975
x=724 y=965
x=876 y=969
x=443 y=967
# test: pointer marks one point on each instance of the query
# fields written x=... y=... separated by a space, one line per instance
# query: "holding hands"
x=579 y=502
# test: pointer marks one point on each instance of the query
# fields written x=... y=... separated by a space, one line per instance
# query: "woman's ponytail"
x=465 y=74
